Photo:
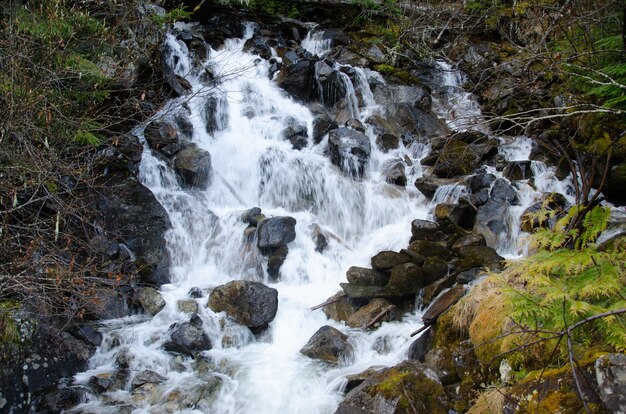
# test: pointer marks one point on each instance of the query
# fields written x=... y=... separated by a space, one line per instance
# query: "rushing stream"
x=253 y=165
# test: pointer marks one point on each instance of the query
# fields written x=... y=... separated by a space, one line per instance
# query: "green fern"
x=560 y=286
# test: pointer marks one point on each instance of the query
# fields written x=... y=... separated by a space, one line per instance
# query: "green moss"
x=385 y=68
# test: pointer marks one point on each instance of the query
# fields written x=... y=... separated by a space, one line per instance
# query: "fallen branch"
x=329 y=302
x=379 y=316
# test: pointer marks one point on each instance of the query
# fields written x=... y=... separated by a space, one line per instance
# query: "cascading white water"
x=255 y=166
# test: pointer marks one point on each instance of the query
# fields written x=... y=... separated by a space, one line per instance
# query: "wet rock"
x=611 y=377
x=258 y=46
x=193 y=166
x=349 y=150
x=393 y=171
x=275 y=261
x=387 y=141
x=339 y=310
x=492 y=220
x=215 y=114
x=249 y=303
x=463 y=215
x=297 y=134
x=355 y=380
x=476 y=256
x=426 y=230
x=407 y=278
x=100 y=383
x=355 y=124
x=405 y=388
x=518 y=170
x=195 y=293
x=275 y=232
x=430 y=248
x=433 y=269
x=147 y=377
x=195 y=396
x=63 y=399
x=150 y=299
x=297 y=79
x=367 y=292
x=104 y=246
x=322 y=124
x=481 y=181
x=385 y=260
x=321 y=242
x=328 y=345
x=420 y=347
x=187 y=306
x=503 y=192
x=161 y=135
x=428 y=184
x=87 y=334
x=367 y=313
x=469 y=239
x=336 y=37
x=130 y=211
x=187 y=338
x=252 y=216
x=366 y=277
x=455 y=159
x=469 y=275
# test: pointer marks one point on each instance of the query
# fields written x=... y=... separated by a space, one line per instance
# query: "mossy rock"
x=405 y=388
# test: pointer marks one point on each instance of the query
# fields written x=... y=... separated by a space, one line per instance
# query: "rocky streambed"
x=306 y=214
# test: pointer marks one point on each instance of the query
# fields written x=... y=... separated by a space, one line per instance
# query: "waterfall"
x=239 y=118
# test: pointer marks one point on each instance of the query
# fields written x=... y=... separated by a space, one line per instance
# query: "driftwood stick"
x=329 y=301
x=379 y=316
x=420 y=330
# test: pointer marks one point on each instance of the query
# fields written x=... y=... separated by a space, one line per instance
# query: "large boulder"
x=406 y=278
x=503 y=192
x=35 y=361
x=456 y=158
x=328 y=345
x=275 y=232
x=340 y=308
x=130 y=210
x=249 y=303
x=193 y=166
x=366 y=277
x=349 y=150
x=461 y=214
x=426 y=230
x=429 y=184
x=405 y=388
x=187 y=338
x=297 y=79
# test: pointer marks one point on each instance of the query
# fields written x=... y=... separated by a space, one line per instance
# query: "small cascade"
x=244 y=121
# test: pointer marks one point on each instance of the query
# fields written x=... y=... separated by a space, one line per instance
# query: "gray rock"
x=492 y=220
x=147 y=377
x=406 y=278
x=322 y=124
x=193 y=166
x=424 y=343
x=394 y=172
x=503 y=192
x=349 y=150
x=328 y=345
x=252 y=216
x=366 y=277
x=339 y=310
x=186 y=339
x=249 y=303
x=296 y=79
x=611 y=378
x=385 y=260
x=195 y=293
x=275 y=232
x=463 y=215
x=481 y=181
x=518 y=170
x=150 y=299
x=275 y=261
x=426 y=230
